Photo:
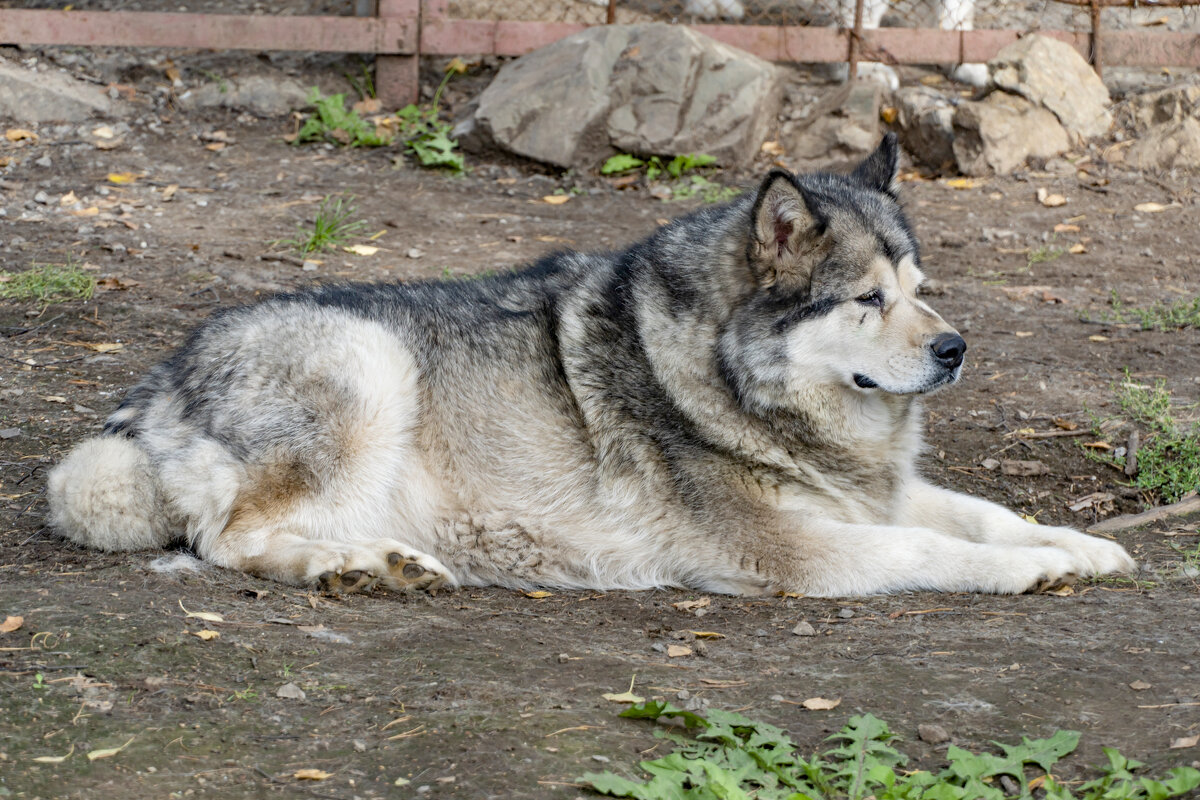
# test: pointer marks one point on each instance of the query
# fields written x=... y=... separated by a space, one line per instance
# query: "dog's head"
x=837 y=270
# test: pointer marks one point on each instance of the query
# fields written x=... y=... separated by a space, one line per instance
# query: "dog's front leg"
x=982 y=521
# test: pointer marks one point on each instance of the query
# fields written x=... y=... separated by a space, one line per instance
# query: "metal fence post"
x=397 y=81
x=855 y=40
x=1096 y=38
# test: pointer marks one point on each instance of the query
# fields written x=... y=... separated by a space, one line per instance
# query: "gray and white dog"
x=732 y=405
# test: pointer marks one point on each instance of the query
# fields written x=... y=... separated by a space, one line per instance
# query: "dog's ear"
x=786 y=241
x=879 y=170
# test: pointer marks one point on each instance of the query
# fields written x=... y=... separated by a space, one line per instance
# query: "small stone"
x=846 y=613
x=310 y=266
x=10 y=433
x=601 y=759
x=804 y=628
x=41 y=197
x=932 y=733
x=359 y=746
x=290 y=691
x=44 y=162
x=563 y=658
x=683 y=694
x=989 y=464
x=415 y=252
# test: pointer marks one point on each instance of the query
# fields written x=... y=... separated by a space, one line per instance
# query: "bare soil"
x=491 y=693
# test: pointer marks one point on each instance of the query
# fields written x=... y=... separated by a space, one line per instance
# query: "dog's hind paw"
x=415 y=572
x=384 y=563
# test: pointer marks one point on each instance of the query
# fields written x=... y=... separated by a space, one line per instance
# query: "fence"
x=808 y=31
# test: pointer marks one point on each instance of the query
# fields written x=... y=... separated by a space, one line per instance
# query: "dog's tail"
x=105 y=495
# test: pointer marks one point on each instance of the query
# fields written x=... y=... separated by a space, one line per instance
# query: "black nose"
x=948 y=349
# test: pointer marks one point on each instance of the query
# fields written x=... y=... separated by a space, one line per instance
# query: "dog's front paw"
x=1096 y=556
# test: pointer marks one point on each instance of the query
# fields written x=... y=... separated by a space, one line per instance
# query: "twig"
x=1048 y=434
x=24 y=331
x=1128 y=521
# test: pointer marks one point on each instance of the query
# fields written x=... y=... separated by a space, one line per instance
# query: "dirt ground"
x=490 y=693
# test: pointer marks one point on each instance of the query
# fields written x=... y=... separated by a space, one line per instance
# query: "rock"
x=804 y=628
x=925 y=118
x=1001 y=132
x=1052 y=74
x=1165 y=127
x=845 y=613
x=932 y=734
x=290 y=691
x=1024 y=469
x=842 y=126
x=28 y=95
x=265 y=95
x=646 y=89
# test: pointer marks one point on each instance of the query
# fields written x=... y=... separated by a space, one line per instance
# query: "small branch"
x=1128 y=521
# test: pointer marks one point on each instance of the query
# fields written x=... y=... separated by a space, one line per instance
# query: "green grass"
x=654 y=167
x=333 y=122
x=1043 y=255
x=725 y=756
x=1160 y=316
x=1168 y=459
x=46 y=284
x=331 y=228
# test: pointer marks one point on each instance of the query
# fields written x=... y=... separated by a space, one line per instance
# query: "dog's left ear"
x=879 y=170
x=788 y=238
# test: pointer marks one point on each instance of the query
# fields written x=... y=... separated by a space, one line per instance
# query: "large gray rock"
x=1001 y=132
x=1053 y=75
x=1165 y=127
x=841 y=127
x=28 y=95
x=645 y=89
x=260 y=94
x=925 y=118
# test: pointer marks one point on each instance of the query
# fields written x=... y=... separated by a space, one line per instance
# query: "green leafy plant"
x=1168 y=459
x=654 y=167
x=706 y=190
x=333 y=122
x=332 y=227
x=47 y=284
x=1160 y=316
x=364 y=86
x=427 y=137
x=726 y=756
x=39 y=682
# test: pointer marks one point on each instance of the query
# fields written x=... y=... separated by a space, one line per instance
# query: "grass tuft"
x=1160 y=316
x=331 y=228
x=47 y=284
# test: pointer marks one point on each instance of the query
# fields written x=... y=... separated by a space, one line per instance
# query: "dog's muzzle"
x=948 y=350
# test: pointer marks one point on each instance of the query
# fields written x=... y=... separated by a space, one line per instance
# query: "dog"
x=731 y=405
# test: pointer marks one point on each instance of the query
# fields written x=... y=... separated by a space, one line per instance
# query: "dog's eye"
x=871 y=298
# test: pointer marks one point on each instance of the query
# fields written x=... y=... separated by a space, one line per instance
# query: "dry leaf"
x=678 y=651
x=1023 y=334
x=20 y=135
x=114 y=284
x=1154 y=208
x=90 y=211
x=1077 y=249
x=68 y=199
x=368 y=105
x=707 y=634
x=1140 y=686
x=122 y=177
x=1066 y=424
x=889 y=114
x=821 y=704
x=172 y=73
x=104 y=132
x=1097 y=445
x=1061 y=591
x=311 y=775
x=456 y=65
x=539 y=594
x=692 y=605
x=1097 y=338
x=1156 y=21
x=207 y=616
x=109 y=144
x=626 y=696
x=1050 y=200
x=169 y=192
x=1185 y=741
x=215 y=146
x=772 y=149
x=54 y=398
x=11 y=624
x=1063 y=227
x=206 y=635
x=108 y=752
x=55 y=759
x=964 y=183
x=556 y=199
x=361 y=249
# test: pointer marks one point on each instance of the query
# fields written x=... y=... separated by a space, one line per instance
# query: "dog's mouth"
x=863 y=382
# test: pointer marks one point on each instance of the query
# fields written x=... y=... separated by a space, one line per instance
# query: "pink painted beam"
x=395 y=35
x=1142 y=49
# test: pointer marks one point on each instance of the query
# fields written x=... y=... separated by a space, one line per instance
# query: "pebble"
x=45 y=162
x=846 y=613
x=414 y=252
x=601 y=759
x=41 y=197
x=804 y=628
x=932 y=733
x=310 y=266
x=10 y=433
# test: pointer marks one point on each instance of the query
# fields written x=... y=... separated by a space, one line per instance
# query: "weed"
x=364 y=86
x=707 y=190
x=697 y=186
x=244 y=694
x=39 y=682
x=428 y=137
x=730 y=756
x=332 y=122
x=222 y=84
x=1168 y=460
x=47 y=283
x=331 y=228
x=1043 y=255
x=1160 y=316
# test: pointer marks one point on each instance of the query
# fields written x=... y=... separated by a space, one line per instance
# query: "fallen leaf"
x=1097 y=338
x=215 y=146
x=368 y=105
x=1097 y=445
x=1152 y=22
x=109 y=144
x=311 y=775
x=122 y=177
x=964 y=183
x=1066 y=424
x=540 y=594
x=68 y=199
x=54 y=398
x=206 y=635
x=678 y=651
x=1023 y=334
x=207 y=616
x=90 y=211
x=1063 y=227
x=55 y=759
x=821 y=704
x=1061 y=591
x=108 y=752
x=1185 y=741
x=20 y=135
x=11 y=624
x=104 y=132
x=889 y=114
x=114 y=284
x=169 y=192
x=457 y=65
x=692 y=605
x=1154 y=208
x=1077 y=249
x=1050 y=200
x=707 y=634
x=556 y=199
x=772 y=148
x=626 y=696
x=1140 y=686
x=361 y=249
